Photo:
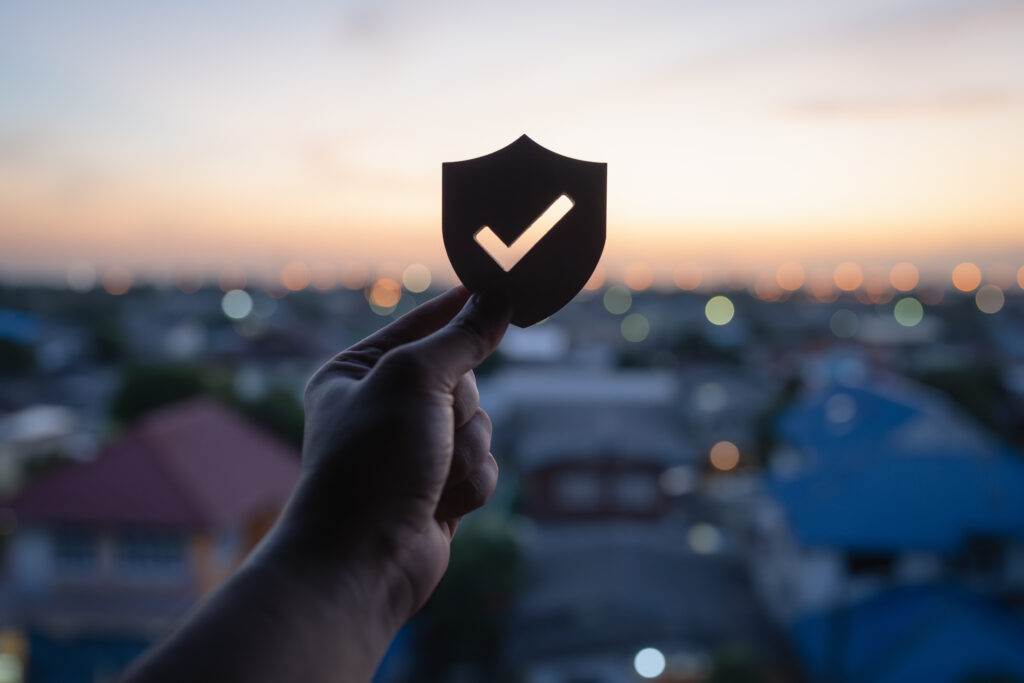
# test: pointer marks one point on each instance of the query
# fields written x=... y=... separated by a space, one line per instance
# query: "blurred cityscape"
x=794 y=481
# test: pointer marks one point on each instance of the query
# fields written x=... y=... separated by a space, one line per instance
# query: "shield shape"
x=526 y=223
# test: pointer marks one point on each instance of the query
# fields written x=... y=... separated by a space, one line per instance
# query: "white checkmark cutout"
x=508 y=255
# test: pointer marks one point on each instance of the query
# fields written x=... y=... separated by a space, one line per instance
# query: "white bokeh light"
x=649 y=662
x=236 y=304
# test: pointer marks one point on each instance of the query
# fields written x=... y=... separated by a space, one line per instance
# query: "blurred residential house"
x=32 y=435
x=107 y=555
x=612 y=563
x=881 y=493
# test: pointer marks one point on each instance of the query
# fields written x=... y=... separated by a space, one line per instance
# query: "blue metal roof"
x=935 y=634
x=18 y=326
x=895 y=473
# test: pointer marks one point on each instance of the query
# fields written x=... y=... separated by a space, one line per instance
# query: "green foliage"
x=736 y=665
x=764 y=428
x=463 y=621
x=15 y=358
x=695 y=346
x=279 y=412
x=979 y=391
x=147 y=387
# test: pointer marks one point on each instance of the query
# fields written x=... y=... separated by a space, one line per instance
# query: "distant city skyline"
x=740 y=137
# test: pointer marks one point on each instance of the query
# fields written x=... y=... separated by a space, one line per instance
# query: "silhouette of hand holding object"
x=396 y=451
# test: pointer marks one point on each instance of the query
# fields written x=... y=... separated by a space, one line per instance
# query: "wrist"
x=347 y=564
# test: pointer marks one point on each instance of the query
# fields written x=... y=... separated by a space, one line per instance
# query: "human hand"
x=397 y=450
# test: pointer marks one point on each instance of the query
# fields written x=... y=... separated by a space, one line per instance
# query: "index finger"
x=420 y=322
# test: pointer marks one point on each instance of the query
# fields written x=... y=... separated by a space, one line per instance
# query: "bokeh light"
x=704 y=538
x=617 y=300
x=908 y=311
x=724 y=456
x=649 y=662
x=719 y=310
x=966 y=277
x=677 y=481
x=236 y=304
x=790 y=276
x=767 y=289
x=1020 y=277
x=844 y=323
x=384 y=295
x=635 y=327
x=81 y=276
x=687 y=277
x=416 y=278
x=989 y=299
x=638 y=276
x=295 y=276
x=848 y=276
x=904 y=276
x=323 y=277
x=117 y=281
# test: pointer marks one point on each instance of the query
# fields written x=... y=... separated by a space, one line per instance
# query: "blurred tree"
x=695 y=346
x=277 y=411
x=736 y=665
x=16 y=358
x=979 y=391
x=462 y=623
x=765 y=436
x=147 y=387
x=107 y=341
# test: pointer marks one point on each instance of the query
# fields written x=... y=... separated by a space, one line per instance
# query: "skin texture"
x=396 y=451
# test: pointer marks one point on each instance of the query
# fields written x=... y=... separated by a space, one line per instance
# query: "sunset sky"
x=211 y=134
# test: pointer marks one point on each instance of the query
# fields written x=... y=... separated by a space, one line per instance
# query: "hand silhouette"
x=396 y=451
x=397 y=448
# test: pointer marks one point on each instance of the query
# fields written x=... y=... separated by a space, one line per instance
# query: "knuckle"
x=470 y=330
x=404 y=365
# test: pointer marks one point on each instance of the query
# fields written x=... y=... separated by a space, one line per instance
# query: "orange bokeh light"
x=904 y=276
x=117 y=281
x=848 y=276
x=385 y=293
x=638 y=276
x=790 y=276
x=1020 y=277
x=687 y=277
x=295 y=276
x=724 y=456
x=966 y=277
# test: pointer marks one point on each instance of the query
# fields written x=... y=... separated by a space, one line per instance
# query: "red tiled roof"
x=194 y=464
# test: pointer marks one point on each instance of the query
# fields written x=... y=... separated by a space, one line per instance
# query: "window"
x=151 y=553
x=874 y=564
x=579 y=491
x=75 y=551
x=634 y=492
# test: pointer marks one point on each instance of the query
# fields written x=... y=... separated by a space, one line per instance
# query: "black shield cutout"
x=524 y=197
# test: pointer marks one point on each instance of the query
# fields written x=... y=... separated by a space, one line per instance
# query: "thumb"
x=467 y=340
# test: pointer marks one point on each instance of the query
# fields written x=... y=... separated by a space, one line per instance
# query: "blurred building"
x=107 y=555
x=613 y=564
x=877 y=488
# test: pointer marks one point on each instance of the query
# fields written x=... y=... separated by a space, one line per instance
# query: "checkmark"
x=508 y=255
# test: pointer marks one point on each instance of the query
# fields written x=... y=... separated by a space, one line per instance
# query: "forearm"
x=281 y=617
